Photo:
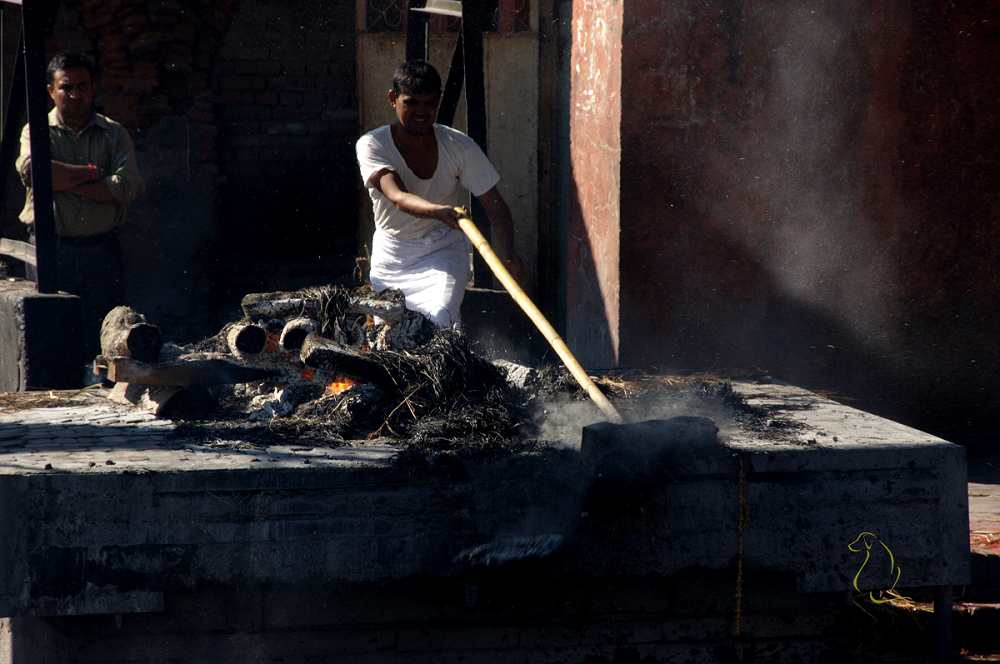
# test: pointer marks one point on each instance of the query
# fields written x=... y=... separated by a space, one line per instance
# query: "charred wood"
x=163 y=400
x=246 y=340
x=282 y=304
x=324 y=303
x=389 y=305
x=322 y=353
x=126 y=333
x=295 y=332
x=184 y=372
x=409 y=331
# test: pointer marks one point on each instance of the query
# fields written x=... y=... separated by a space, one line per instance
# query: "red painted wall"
x=592 y=273
x=809 y=188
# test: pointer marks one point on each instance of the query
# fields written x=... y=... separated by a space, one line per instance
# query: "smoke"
x=564 y=418
x=807 y=160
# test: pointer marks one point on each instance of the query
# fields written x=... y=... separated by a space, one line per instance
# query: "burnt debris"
x=327 y=365
x=330 y=364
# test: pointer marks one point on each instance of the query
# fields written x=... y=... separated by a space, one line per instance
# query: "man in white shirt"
x=416 y=173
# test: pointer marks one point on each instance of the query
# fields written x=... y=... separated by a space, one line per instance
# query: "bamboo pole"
x=537 y=317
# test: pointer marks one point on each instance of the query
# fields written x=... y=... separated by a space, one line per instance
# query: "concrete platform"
x=105 y=512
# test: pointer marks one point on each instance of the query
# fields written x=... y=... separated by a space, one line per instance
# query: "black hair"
x=416 y=77
x=69 y=60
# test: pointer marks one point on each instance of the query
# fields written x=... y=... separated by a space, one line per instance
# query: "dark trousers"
x=91 y=268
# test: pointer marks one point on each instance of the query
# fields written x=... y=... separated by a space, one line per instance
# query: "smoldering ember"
x=438 y=331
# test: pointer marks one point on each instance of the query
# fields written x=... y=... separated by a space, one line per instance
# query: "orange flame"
x=338 y=385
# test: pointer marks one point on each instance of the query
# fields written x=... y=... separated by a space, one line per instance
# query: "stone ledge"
x=174 y=514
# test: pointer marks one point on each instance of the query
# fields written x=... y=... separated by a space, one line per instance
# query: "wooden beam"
x=416 y=35
x=183 y=373
x=34 y=17
x=13 y=119
x=322 y=353
x=22 y=251
x=473 y=20
x=453 y=86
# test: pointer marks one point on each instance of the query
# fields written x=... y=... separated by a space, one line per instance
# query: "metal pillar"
x=30 y=73
x=474 y=14
x=416 y=35
x=943 y=642
x=13 y=118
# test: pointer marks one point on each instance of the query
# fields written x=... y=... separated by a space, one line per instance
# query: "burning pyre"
x=330 y=363
x=326 y=365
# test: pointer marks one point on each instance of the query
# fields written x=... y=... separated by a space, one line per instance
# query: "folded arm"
x=389 y=183
x=122 y=184
x=501 y=224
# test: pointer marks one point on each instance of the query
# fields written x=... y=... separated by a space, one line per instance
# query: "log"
x=163 y=400
x=388 y=305
x=282 y=304
x=126 y=333
x=183 y=373
x=409 y=331
x=154 y=400
x=322 y=353
x=295 y=332
x=246 y=340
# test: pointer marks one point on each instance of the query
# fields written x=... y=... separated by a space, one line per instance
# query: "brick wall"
x=244 y=118
x=285 y=87
x=155 y=59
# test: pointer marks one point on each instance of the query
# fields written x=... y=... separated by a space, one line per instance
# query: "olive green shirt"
x=103 y=142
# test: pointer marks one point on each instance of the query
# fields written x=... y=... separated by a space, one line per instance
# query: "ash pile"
x=321 y=365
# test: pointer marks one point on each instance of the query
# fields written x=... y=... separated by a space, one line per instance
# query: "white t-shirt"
x=461 y=167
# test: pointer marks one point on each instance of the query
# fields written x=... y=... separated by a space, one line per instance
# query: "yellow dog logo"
x=865 y=542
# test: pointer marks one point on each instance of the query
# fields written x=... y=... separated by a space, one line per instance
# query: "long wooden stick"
x=536 y=316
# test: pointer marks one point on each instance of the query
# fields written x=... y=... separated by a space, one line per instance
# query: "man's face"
x=72 y=92
x=416 y=112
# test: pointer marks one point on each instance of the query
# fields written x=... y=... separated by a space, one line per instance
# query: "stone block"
x=39 y=339
x=806 y=499
x=656 y=448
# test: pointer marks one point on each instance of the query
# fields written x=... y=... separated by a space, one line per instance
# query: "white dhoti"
x=432 y=271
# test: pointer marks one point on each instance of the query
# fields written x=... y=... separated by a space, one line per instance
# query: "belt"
x=86 y=240
x=78 y=240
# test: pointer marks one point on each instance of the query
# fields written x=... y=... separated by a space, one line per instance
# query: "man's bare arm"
x=392 y=187
x=502 y=231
